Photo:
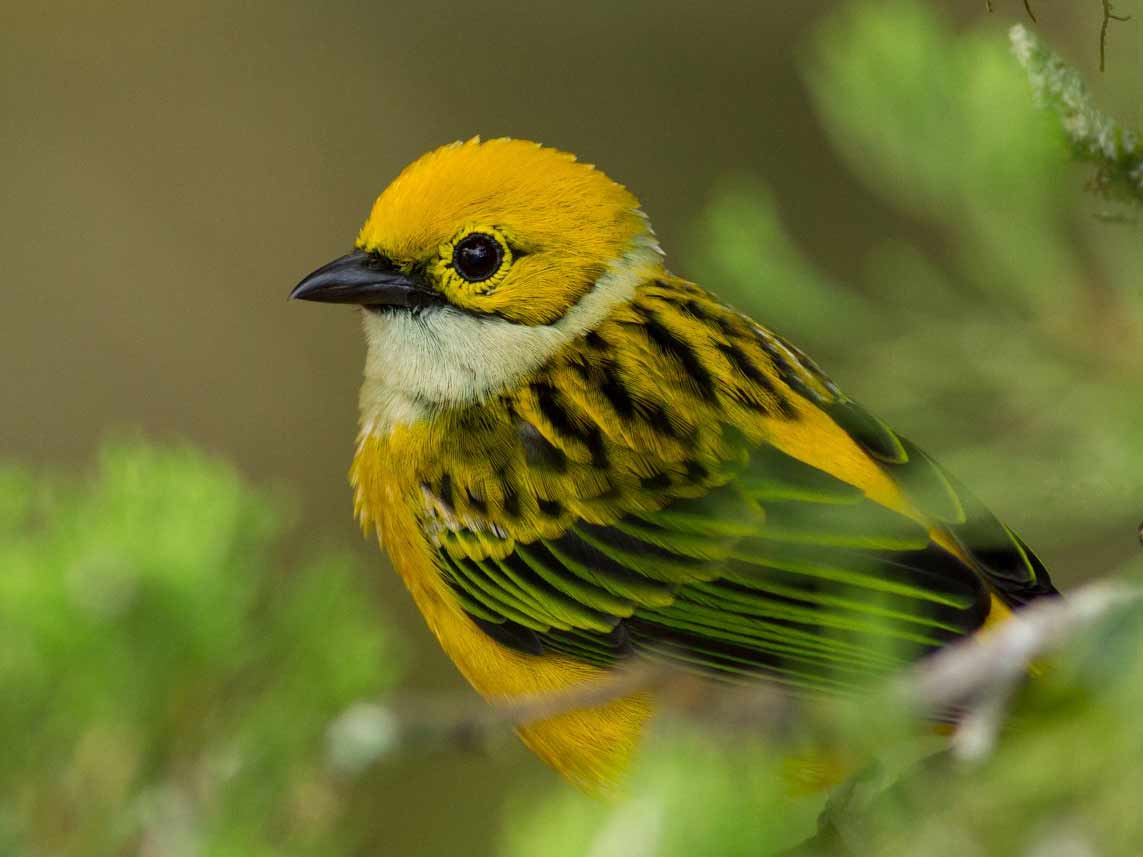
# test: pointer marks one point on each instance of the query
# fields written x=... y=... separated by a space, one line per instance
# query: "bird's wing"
x=688 y=486
x=996 y=553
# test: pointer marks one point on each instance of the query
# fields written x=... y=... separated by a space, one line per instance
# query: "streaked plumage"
x=593 y=460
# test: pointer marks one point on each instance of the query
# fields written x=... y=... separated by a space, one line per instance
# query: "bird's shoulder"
x=664 y=400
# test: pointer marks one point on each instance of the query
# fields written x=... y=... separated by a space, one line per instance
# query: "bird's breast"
x=590 y=747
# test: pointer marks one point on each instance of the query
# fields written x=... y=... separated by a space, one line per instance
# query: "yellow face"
x=478 y=263
x=504 y=227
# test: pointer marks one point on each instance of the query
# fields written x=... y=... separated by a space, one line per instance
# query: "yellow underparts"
x=590 y=748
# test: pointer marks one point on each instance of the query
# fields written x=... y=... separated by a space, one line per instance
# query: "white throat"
x=418 y=363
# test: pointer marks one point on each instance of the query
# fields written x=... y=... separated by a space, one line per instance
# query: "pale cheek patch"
x=444 y=358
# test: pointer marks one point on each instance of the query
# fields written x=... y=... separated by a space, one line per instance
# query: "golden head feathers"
x=561 y=222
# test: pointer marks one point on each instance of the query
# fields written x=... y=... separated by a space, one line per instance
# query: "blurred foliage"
x=166 y=686
x=1094 y=137
x=694 y=794
x=1009 y=331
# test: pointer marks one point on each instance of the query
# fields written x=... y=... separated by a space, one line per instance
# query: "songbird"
x=576 y=459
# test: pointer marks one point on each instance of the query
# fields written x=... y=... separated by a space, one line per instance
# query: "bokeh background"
x=171 y=170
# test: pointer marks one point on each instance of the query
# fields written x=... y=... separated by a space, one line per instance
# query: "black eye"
x=477 y=257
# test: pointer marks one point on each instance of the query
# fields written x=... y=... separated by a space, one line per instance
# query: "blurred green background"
x=875 y=185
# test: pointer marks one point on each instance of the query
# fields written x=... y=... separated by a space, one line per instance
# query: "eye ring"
x=477 y=257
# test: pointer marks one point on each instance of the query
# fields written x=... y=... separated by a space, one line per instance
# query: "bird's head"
x=477 y=264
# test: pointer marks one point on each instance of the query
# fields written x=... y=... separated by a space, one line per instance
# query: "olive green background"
x=169 y=173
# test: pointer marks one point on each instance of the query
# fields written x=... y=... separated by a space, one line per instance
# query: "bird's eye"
x=477 y=257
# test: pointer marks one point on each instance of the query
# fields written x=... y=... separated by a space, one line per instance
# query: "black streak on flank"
x=661 y=421
x=811 y=366
x=680 y=350
x=597 y=448
x=617 y=393
x=511 y=502
x=742 y=362
x=694 y=310
x=787 y=373
x=696 y=472
x=781 y=364
x=596 y=342
x=745 y=365
x=564 y=425
x=658 y=482
x=548 y=400
x=691 y=307
x=581 y=369
x=786 y=407
x=476 y=503
x=444 y=491
x=538 y=452
x=699 y=313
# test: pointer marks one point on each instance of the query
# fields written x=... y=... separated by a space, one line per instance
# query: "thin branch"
x=1108 y=16
x=624 y=682
x=975 y=677
x=1027 y=8
x=367 y=731
x=968 y=670
x=979 y=675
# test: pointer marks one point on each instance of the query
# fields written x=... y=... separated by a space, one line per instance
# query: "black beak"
x=365 y=279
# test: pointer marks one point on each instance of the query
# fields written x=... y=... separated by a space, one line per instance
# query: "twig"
x=1108 y=16
x=1027 y=8
x=367 y=731
x=623 y=682
x=975 y=734
x=980 y=674
x=963 y=672
x=976 y=677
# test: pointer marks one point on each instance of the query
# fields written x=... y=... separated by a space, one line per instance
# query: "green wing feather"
x=997 y=554
x=716 y=552
x=785 y=571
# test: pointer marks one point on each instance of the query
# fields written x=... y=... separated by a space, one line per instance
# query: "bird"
x=577 y=460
